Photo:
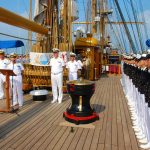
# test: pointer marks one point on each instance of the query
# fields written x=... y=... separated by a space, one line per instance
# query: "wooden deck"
x=37 y=124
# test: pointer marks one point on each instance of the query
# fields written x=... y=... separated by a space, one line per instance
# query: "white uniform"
x=16 y=83
x=3 y=65
x=57 y=78
x=73 y=67
x=80 y=64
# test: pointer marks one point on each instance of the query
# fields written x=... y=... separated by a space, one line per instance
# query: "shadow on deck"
x=36 y=126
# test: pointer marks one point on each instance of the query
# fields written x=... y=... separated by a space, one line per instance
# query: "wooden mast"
x=66 y=26
x=102 y=24
x=55 y=24
x=70 y=25
x=93 y=16
x=29 y=32
x=16 y=20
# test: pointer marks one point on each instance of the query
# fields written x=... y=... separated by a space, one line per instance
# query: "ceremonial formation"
x=78 y=77
x=136 y=85
x=57 y=66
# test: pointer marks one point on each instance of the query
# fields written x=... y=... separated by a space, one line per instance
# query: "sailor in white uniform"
x=16 y=81
x=57 y=65
x=73 y=67
x=3 y=65
x=78 y=58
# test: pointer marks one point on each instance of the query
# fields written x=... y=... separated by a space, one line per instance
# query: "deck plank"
x=100 y=96
x=75 y=140
x=38 y=131
x=37 y=124
x=114 y=122
x=105 y=113
x=69 y=139
x=121 y=144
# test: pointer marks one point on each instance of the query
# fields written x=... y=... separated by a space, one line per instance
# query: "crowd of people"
x=75 y=67
x=136 y=84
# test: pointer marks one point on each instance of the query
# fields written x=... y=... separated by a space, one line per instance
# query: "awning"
x=11 y=44
x=148 y=42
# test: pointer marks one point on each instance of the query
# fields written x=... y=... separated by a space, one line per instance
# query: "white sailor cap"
x=13 y=55
x=130 y=56
x=72 y=54
x=55 y=50
x=144 y=55
x=124 y=54
x=138 y=56
x=134 y=55
x=2 y=52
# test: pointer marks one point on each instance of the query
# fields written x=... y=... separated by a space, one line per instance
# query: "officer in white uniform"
x=57 y=65
x=78 y=58
x=16 y=81
x=3 y=65
x=73 y=67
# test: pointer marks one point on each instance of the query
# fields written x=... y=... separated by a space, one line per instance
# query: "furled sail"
x=39 y=11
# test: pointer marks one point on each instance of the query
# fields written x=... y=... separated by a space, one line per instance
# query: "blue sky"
x=21 y=7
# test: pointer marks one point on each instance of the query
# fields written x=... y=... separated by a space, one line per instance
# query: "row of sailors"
x=57 y=66
x=136 y=85
x=16 y=81
x=20 y=58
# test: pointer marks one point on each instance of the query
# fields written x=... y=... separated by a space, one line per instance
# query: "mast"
x=102 y=24
x=66 y=25
x=70 y=24
x=93 y=16
x=29 y=32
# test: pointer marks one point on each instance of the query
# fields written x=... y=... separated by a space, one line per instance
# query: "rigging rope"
x=128 y=15
x=122 y=39
x=137 y=26
x=120 y=27
x=25 y=6
x=141 y=27
x=16 y=37
x=126 y=27
x=84 y=8
x=115 y=33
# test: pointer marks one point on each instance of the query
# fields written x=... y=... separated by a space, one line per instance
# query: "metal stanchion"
x=95 y=71
x=119 y=70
